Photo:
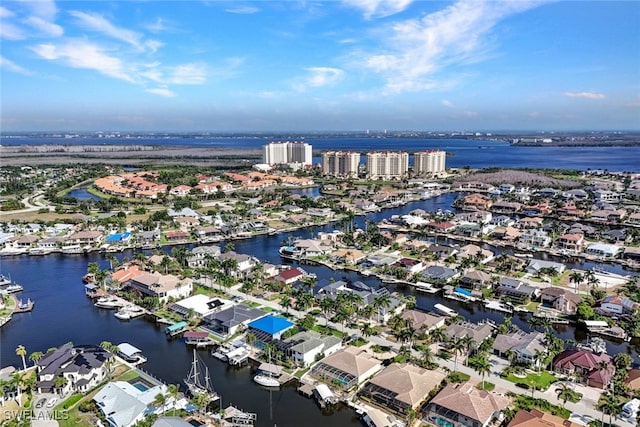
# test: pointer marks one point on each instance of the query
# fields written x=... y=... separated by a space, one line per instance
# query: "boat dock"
x=498 y=306
x=425 y=287
x=23 y=307
x=443 y=309
x=238 y=356
x=175 y=329
x=199 y=339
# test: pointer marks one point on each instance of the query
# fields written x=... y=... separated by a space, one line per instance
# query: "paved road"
x=585 y=407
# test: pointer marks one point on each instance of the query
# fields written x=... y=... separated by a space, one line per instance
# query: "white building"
x=124 y=404
x=387 y=164
x=275 y=153
x=340 y=163
x=429 y=162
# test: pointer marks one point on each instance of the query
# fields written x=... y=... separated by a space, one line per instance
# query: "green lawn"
x=532 y=306
x=542 y=380
x=487 y=386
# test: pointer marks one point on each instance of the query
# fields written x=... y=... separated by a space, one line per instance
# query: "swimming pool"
x=141 y=384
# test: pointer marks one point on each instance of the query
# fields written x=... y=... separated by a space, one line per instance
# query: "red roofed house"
x=570 y=242
x=289 y=276
x=587 y=365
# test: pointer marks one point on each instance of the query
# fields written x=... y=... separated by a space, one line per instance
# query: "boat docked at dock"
x=198 y=381
x=11 y=289
x=72 y=250
x=443 y=309
x=109 y=302
x=24 y=307
x=425 y=287
x=291 y=252
x=175 y=329
x=498 y=306
x=129 y=311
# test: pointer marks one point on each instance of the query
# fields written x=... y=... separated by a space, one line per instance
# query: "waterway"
x=63 y=313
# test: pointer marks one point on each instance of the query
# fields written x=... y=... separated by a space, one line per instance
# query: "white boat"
x=291 y=252
x=12 y=289
x=128 y=312
x=72 y=249
x=522 y=255
x=110 y=303
x=24 y=307
x=5 y=280
x=266 y=381
x=199 y=386
x=445 y=310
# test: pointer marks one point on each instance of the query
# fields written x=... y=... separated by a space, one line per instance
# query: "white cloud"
x=5 y=13
x=319 y=77
x=243 y=10
x=447 y=103
x=162 y=91
x=160 y=25
x=45 y=9
x=585 y=95
x=379 y=8
x=9 y=31
x=83 y=54
x=46 y=27
x=13 y=67
x=99 y=23
x=419 y=49
x=188 y=74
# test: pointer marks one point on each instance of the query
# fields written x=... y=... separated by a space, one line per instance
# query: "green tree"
x=35 y=356
x=22 y=352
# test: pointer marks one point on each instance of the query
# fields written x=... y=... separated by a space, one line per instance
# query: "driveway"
x=46 y=416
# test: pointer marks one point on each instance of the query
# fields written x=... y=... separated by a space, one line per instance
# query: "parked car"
x=40 y=403
x=52 y=402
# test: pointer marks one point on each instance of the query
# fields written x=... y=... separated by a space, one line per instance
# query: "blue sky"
x=315 y=66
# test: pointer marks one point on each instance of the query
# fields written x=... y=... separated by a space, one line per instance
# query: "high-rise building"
x=429 y=162
x=275 y=153
x=340 y=163
x=387 y=164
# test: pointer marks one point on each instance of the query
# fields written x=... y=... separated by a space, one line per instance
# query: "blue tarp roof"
x=462 y=291
x=271 y=324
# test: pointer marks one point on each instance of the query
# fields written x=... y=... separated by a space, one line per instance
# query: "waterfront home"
x=475 y=251
x=367 y=293
x=229 y=321
x=603 y=250
x=183 y=212
x=506 y=208
x=125 y=273
x=289 y=276
x=475 y=202
x=200 y=255
x=587 y=366
x=243 y=263
x=536 y=265
x=502 y=221
x=534 y=238
x=439 y=273
x=347 y=256
x=401 y=386
x=570 y=242
x=616 y=304
x=91 y=238
x=516 y=289
x=199 y=305
x=413 y=266
x=473 y=217
x=347 y=368
x=313 y=247
x=82 y=366
x=423 y=322
x=526 y=347
x=528 y=222
x=269 y=328
x=476 y=279
x=326 y=213
x=125 y=404
x=151 y=237
x=177 y=236
x=161 y=286
x=478 y=332
x=507 y=234
x=608 y=215
x=304 y=347
x=631 y=254
x=442 y=251
x=442 y=226
x=537 y=418
x=465 y=404
x=561 y=299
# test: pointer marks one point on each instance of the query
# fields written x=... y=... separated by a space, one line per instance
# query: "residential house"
x=289 y=276
x=463 y=404
x=367 y=293
x=348 y=367
x=476 y=279
x=536 y=265
x=243 y=263
x=571 y=242
x=526 y=347
x=199 y=305
x=474 y=202
x=516 y=289
x=537 y=418
x=560 y=299
x=201 y=255
x=91 y=238
x=534 y=238
x=124 y=405
x=476 y=252
x=442 y=226
x=161 y=286
x=421 y=321
x=348 y=256
x=228 y=321
x=82 y=366
x=603 y=250
x=269 y=328
x=400 y=387
x=587 y=365
x=413 y=266
x=506 y=208
x=616 y=304
x=304 y=347
x=478 y=332
x=439 y=273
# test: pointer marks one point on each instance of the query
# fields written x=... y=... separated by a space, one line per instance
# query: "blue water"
x=473 y=153
x=82 y=194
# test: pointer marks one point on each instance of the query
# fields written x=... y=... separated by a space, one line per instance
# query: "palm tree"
x=427 y=356
x=285 y=302
x=609 y=405
x=173 y=392
x=159 y=401
x=382 y=302
x=481 y=365
x=438 y=335
x=59 y=382
x=457 y=345
x=326 y=305
x=22 y=352
x=577 y=278
x=366 y=330
x=565 y=392
x=35 y=356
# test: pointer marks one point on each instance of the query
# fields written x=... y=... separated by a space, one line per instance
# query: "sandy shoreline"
x=27 y=155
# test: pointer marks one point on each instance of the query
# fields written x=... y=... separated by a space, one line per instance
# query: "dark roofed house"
x=83 y=366
x=476 y=279
x=517 y=290
x=422 y=321
x=478 y=332
x=587 y=365
x=439 y=273
x=527 y=347
x=560 y=299
x=226 y=322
